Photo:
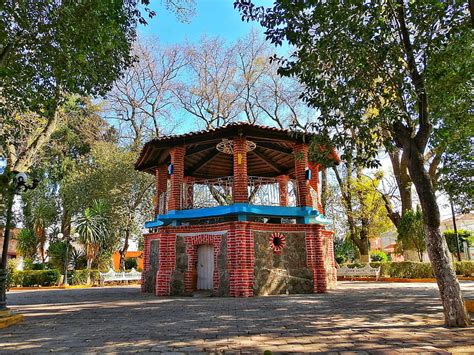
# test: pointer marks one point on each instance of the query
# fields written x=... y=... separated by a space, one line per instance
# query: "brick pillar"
x=161 y=174
x=240 y=193
x=283 y=189
x=300 y=152
x=167 y=262
x=190 y=275
x=313 y=182
x=320 y=281
x=176 y=179
x=240 y=246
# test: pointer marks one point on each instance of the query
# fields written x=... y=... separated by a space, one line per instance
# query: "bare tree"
x=142 y=100
x=210 y=91
x=239 y=82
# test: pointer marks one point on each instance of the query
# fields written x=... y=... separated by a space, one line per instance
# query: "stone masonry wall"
x=281 y=272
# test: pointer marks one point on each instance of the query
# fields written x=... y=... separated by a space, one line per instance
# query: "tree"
x=108 y=175
x=383 y=67
x=57 y=251
x=142 y=99
x=364 y=207
x=27 y=244
x=226 y=82
x=463 y=236
x=343 y=250
x=50 y=50
x=91 y=226
x=411 y=233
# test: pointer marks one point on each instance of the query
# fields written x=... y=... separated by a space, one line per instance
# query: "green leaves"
x=411 y=233
x=92 y=224
x=26 y=244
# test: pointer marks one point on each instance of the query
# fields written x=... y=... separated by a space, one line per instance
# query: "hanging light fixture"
x=227 y=146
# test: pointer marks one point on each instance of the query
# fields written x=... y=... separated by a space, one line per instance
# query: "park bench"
x=112 y=276
x=367 y=270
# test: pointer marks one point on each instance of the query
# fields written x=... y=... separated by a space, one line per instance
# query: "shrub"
x=411 y=270
x=415 y=270
x=131 y=263
x=378 y=255
x=28 y=278
x=463 y=236
x=79 y=277
x=465 y=268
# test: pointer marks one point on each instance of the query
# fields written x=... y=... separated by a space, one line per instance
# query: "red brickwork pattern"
x=240 y=253
x=301 y=163
x=177 y=160
x=167 y=263
x=314 y=183
x=240 y=192
x=161 y=174
x=192 y=243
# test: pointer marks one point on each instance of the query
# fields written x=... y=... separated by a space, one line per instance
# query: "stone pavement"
x=358 y=316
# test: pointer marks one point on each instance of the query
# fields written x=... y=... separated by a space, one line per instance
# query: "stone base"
x=8 y=318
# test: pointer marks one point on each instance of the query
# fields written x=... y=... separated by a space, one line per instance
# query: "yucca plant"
x=91 y=226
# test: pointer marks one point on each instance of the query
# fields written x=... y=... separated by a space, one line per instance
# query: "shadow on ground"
x=361 y=316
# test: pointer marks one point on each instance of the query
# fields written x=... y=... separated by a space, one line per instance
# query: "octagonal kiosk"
x=237 y=213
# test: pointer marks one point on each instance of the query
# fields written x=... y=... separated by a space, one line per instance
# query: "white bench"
x=112 y=276
x=367 y=270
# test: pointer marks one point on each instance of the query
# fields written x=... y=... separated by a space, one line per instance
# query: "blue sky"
x=212 y=18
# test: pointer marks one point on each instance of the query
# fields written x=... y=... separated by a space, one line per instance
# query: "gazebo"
x=237 y=213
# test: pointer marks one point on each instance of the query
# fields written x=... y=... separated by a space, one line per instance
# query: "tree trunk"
x=400 y=170
x=455 y=312
x=124 y=249
x=66 y=224
x=362 y=244
x=324 y=189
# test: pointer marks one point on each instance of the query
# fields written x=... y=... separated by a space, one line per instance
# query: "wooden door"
x=205 y=267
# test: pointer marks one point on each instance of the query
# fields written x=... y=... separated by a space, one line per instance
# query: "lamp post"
x=16 y=182
x=66 y=261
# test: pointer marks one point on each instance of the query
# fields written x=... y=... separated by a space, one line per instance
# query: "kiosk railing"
x=201 y=193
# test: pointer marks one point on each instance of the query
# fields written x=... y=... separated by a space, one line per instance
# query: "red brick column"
x=300 y=152
x=240 y=193
x=313 y=182
x=241 y=258
x=320 y=281
x=167 y=263
x=161 y=174
x=177 y=160
x=283 y=188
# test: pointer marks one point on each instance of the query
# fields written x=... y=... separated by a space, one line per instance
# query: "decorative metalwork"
x=266 y=191
x=163 y=203
x=202 y=193
x=227 y=146
x=277 y=242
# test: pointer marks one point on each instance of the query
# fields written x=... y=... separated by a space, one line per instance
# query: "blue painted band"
x=241 y=210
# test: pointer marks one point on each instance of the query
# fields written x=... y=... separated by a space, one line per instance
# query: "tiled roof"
x=227 y=126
